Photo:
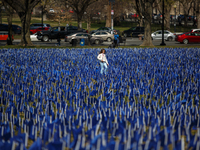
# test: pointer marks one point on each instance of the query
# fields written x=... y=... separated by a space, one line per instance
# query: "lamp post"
x=163 y=17
x=42 y=15
x=112 y=13
x=175 y=19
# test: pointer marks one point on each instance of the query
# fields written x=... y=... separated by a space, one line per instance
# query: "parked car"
x=106 y=29
x=15 y=28
x=173 y=17
x=79 y=36
x=37 y=25
x=33 y=31
x=195 y=30
x=53 y=32
x=189 y=18
x=33 y=37
x=134 y=31
x=131 y=15
x=159 y=16
x=169 y=36
x=189 y=37
x=4 y=36
x=51 y=10
x=154 y=16
x=106 y=36
x=135 y=16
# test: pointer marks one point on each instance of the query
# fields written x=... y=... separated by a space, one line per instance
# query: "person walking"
x=103 y=61
x=116 y=36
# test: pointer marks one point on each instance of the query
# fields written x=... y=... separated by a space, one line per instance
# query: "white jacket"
x=102 y=57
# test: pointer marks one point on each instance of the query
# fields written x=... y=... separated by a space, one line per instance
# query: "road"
x=129 y=42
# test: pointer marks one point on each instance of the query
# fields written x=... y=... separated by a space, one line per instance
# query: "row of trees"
x=144 y=8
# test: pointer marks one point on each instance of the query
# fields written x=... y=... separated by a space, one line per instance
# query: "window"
x=74 y=28
x=38 y=25
x=55 y=29
x=133 y=28
x=62 y=28
x=190 y=34
x=98 y=33
x=104 y=33
x=159 y=32
x=138 y=28
x=79 y=35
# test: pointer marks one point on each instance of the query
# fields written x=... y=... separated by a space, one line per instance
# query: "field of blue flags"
x=57 y=99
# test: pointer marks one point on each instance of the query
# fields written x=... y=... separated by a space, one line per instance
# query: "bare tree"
x=79 y=7
x=187 y=6
x=61 y=14
x=24 y=10
x=119 y=7
x=167 y=10
x=144 y=7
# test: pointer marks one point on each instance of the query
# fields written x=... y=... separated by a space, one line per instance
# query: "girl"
x=103 y=61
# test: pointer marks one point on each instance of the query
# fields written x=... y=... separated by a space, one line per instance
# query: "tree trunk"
x=198 y=20
x=59 y=21
x=79 y=20
x=108 y=16
x=0 y=15
x=198 y=15
x=88 y=23
x=185 y=19
x=9 y=19
x=140 y=22
x=147 y=26
x=25 y=20
x=167 y=20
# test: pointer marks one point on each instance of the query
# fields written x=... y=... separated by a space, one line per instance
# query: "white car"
x=169 y=36
x=51 y=10
x=33 y=37
x=195 y=30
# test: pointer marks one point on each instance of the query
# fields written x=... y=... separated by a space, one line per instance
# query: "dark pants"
x=58 y=42
x=115 y=42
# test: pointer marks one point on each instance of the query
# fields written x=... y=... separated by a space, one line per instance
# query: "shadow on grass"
x=70 y=47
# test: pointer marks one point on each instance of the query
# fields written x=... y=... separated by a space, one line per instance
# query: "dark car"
x=133 y=32
x=79 y=36
x=53 y=32
x=15 y=28
x=37 y=25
